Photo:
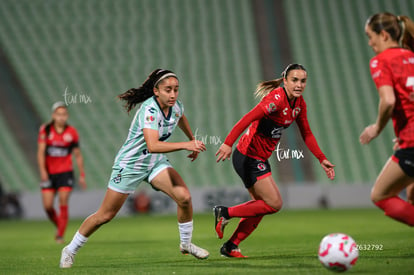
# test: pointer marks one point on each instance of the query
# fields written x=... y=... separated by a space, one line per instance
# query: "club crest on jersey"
x=150 y=118
x=67 y=137
x=271 y=107
x=261 y=166
x=296 y=111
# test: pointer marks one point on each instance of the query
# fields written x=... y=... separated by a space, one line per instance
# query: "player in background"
x=56 y=142
x=142 y=158
x=391 y=37
x=278 y=109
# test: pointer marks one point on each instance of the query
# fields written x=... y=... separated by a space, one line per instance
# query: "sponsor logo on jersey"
x=408 y=61
x=152 y=110
x=57 y=151
x=285 y=111
x=276 y=132
x=261 y=166
x=277 y=96
x=376 y=74
x=150 y=118
x=374 y=63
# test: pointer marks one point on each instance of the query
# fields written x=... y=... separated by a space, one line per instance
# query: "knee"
x=103 y=218
x=184 y=200
x=376 y=196
x=276 y=204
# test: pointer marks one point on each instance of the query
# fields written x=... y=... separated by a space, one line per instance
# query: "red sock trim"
x=398 y=209
x=251 y=209
x=244 y=229
x=63 y=220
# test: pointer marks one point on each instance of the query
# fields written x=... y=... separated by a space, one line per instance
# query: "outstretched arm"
x=185 y=127
x=313 y=146
x=224 y=152
x=385 y=109
x=154 y=145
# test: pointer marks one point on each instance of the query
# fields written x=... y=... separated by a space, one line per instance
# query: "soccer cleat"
x=67 y=258
x=220 y=221
x=194 y=250
x=231 y=253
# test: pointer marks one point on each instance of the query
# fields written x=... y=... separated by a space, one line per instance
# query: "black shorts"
x=249 y=169
x=405 y=158
x=58 y=181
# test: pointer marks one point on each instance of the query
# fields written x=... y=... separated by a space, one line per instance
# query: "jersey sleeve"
x=41 y=138
x=380 y=72
x=270 y=103
x=149 y=118
x=180 y=108
x=307 y=135
x=75 y=141
x=255 y=114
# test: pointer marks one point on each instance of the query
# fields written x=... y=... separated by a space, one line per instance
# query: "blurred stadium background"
x=87 y=52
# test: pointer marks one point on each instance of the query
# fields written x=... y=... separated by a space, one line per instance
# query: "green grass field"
x=284 y=243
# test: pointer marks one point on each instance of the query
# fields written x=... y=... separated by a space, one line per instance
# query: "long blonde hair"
x=265 y=87
x=400 y=28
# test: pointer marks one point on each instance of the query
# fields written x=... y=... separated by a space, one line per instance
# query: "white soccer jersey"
x=133 y=155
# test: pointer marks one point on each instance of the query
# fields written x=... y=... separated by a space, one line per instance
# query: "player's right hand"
x=195 y=146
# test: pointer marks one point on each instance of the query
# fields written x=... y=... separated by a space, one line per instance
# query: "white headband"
x=164 y=77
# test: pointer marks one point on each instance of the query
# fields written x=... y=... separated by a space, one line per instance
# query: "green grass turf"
x=284 y=243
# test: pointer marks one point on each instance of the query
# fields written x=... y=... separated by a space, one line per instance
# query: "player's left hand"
x=82 y=182
x=329 y=169
x=193 y=156
x=396 y=144
x=368 y=134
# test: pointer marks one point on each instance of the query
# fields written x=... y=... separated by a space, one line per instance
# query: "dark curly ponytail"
x=134 y=96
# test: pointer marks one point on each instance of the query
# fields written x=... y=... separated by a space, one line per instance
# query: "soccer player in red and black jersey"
x=56 y=142
x=392 y=39
x=278 y=109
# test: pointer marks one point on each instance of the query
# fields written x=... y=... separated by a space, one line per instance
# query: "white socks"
x=77 y=242
x=186 y=232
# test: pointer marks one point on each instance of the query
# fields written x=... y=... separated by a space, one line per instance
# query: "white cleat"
x=67 y=258
x=194 y=250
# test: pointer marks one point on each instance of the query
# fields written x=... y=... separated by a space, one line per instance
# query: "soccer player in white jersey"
x=142 y=158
